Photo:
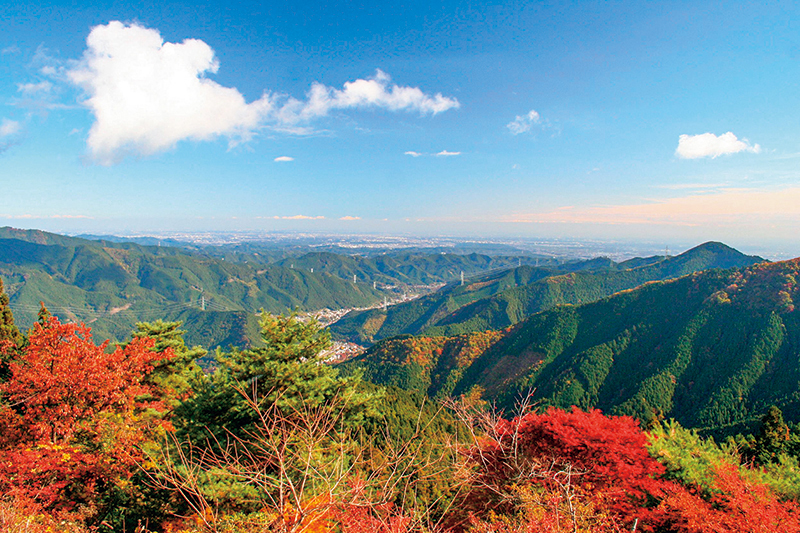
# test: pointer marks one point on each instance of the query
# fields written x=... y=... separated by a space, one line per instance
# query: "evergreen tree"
x=10 y=337
x=8 y=331
x=773 y=437
x=174 y=374
x=43 y=316
x=287 y=371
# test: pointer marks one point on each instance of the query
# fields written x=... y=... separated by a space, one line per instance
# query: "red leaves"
x=63 y=380
x=559 y=470
x=604 y=457
x=737 y=506
x=70 y=420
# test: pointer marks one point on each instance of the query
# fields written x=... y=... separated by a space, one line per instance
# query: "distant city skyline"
x=670 y=122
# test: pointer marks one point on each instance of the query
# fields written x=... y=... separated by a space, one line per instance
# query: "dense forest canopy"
x=493 y=430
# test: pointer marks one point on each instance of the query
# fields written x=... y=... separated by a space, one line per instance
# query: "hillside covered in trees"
x=501 y=299
x=403 y=438
x=712 y=350
x=275 y=441
x=113 y=285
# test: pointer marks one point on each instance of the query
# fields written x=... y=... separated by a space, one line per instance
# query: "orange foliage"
x=71 y=425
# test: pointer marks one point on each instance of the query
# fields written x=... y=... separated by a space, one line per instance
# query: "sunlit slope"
x=113 y=286
x=505 y=298
x=713 y=349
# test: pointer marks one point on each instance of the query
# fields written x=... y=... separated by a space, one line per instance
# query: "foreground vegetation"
x=137 y=438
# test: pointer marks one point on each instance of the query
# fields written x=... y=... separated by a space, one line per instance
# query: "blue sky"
x=673 y=121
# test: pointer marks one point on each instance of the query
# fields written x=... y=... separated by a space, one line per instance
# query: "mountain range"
x=503 y=298
x=712 y=349
x=111 y=285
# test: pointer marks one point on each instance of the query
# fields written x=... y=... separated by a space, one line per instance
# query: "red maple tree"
x=71 y=419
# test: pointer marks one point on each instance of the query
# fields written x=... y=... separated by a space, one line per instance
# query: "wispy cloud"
x=9 y=127
x=29 y=89
x=523 y=123
x=348 y=217
x=709 y=145
x=299 y=217
x=9 y=133
x=732 y=206
x=443 y=153
x=695 y=186
x=284 y=159
x=147 y=95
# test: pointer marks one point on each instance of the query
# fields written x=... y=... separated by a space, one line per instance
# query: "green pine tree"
x=43 y=316
x=173 y=376
x=8 y=331
x=773 y=437
x=287 y=371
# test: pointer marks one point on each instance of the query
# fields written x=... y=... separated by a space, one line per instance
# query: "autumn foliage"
x=584 y=471
x=71 y=424
x=77 y=419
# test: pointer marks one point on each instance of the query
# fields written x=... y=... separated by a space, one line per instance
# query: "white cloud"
x=413 y=154
x=44 y=217
x=9 y=127
x=300 y=217
x=283 y=159
x=373 y=92
x=30 y=89
x=523 y=123
x=709 y=145
x=147 y=95
x=445 y=153
x=348 y=217
x=9 y=133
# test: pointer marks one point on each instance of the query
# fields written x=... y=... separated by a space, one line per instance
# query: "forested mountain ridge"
x=502 y=299
x=406 y=267
x=111 y=284
x=712 y=349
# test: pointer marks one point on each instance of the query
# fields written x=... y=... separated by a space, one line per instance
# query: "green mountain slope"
x=507 y=298
x=113 y=285
x=406 y=268
x=713 y=350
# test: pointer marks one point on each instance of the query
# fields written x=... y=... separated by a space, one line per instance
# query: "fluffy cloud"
x=147 y=95
x=373 y=92
x=709 y=145
x=445 y=153
x=523 y=123
x=413 y=154
x=284 y=159
x=348 y=217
